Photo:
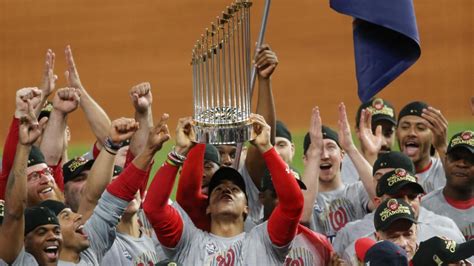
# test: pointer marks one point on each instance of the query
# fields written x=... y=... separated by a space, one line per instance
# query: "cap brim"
x=379 y=117
x=79 y=170
x=463 y=251
x=394 y=189
x=394 y=219
x=227 y=173
x=461 y=146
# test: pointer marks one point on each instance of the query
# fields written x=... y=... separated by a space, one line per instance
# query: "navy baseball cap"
x=390 y=183
x=328 y=133
x=464 y=139
x=386 y=253
x=391 y=210
x=380 y=110
x=438 y=251
x=227 y=173
x=393 y=159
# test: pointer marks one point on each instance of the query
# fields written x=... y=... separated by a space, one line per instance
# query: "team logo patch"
x=466 y=135
x=400 y=172
x=393 y=204
x=211 y=248
x=378 y=104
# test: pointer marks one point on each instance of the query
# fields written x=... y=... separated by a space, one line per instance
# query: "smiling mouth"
x=325 y=166
x=80 y=230
x=52 y=252
x=411 y=148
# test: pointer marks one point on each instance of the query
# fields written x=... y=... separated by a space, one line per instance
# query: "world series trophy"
x=223 y=77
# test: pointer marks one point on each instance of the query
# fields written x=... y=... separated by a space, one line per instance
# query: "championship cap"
x=328 y=133
x=413 y=108
x=35 y=157
x=464 y=139
x=386 y=253
x=390 y=183
x=393 y=159
x=227 y=173
x=74 y=167
x=212 y=154
x=391 y=210
x=282 y=131
x=267 y=182
x=380 y=110
x=438 y=251
x=37 y=216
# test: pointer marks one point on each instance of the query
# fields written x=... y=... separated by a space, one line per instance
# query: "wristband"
x=109 y=144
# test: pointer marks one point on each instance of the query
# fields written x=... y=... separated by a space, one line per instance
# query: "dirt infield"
x=120 y=43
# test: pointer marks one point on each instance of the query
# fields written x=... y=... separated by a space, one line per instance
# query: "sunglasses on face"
x=36 y=175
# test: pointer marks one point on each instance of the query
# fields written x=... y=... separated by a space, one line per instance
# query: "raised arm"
x=364 y=169
x=311 y=169
x=48 y=80
x=23 y=96
x=165 y=219
x=96 y=116
x=189 y=194
x=102 y=170
x=12 y=229
x=266 y=62
x=65 y=101
x=283 y=223
x=142 y=99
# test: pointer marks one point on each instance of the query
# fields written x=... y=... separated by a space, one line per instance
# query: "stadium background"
x=120 y=43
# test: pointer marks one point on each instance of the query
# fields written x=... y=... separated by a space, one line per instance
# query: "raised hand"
x=438 y=124
x=159 y=134
x=345 y=137
x=372 y=143
x=122 y=129
x=48 y=81
x=24 y=97
x=141 y=97
x=315 y=133
x=260 y=133
x=72 y=76
x=185 y=135
x=266 y=61
x=30 y=130
x=66 y=100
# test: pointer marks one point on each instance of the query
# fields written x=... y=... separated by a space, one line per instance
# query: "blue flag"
x=386 y=41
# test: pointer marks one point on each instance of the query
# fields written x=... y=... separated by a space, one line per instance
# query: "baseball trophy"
x=223 y=77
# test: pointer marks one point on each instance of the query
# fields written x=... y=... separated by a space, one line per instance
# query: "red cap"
x=361 y=247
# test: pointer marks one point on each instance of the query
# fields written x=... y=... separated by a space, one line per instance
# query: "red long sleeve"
x=9 y=150
x=165 y=219
x=284 y=221
x=189 y=195
x=58 y=174
x=128 y=160
x=127 y=183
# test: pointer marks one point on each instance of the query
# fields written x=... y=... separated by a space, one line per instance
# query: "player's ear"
x=378 y=237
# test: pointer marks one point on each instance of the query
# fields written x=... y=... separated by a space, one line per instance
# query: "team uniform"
x=100 y=229
x=429 y=225
x=309 y=248
x=255 y=207
x=433 y=177
x=461 y=213
x=349 y=173
x=24 y=258
x=334 y=209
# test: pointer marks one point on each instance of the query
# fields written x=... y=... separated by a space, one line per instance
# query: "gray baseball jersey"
x=430 y=224
x=353 y=231
x=349 y=173
x=100 y=228
x=334 y=209
x=464 y=218
x=197 y=247
x=128 y=250
x=309 y=249
x=255 y=207
x=23 y=258
x=433 y=177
